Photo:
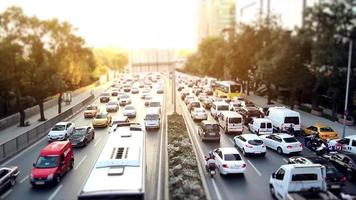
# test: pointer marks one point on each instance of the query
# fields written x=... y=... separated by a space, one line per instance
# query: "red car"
x=53 y=162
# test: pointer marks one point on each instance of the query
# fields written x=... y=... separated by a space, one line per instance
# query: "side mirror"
x=274 y=175
x=34 y=164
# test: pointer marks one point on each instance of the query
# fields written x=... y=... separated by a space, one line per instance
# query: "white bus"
x=119 y=172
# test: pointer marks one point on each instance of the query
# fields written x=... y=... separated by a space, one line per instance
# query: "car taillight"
x=289 y=147
x=344 y=178
x=248 y=146
x=225 y=166
x=301 y=145
x=243 y=165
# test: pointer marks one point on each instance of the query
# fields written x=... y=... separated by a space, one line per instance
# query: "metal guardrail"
x=19 y=143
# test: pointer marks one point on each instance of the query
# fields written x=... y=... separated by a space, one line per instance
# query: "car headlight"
x=50 y=176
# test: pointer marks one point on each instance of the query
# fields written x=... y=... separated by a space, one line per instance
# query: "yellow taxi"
x=324 y=132
x=102 y=119
x=91 y=111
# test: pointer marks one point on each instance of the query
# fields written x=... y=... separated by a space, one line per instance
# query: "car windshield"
x=291 y=120
x=326 y=129
x=232 y=157
x=290 y=140
x=255 y=142
x=155 y=104
x=59 y=128
x=101 y=116
x=47 y=162
x=80 y=131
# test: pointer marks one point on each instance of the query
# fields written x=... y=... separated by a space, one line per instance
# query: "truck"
x=293 y=180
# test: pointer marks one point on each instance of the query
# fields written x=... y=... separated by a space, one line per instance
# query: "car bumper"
x=256 y=152
x=130 y=115
x=111 y=110
x=100 y=125
x=89 y=115
x=291 y=151
x=198 y=117
x=232 y=171
x=41 y=181
x=156 y=126
x=210 y=138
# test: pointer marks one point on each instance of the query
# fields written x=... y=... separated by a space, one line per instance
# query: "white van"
x=297 y=178
x=152 y=118
x=217 y=108
x=282 y=118
x=261 y=126
x=231 y=121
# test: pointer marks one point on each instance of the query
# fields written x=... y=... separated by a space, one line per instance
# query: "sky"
x=121 y=23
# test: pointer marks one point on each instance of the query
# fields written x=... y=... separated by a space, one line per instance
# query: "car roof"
x=351 y=137
x=227 y=150
x=62 y=123
x=54 y=148
x=261 y=120
x=250 y=136
x=220 y=103
x=283 y=135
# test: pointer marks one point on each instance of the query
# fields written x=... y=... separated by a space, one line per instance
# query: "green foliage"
x=113 y=59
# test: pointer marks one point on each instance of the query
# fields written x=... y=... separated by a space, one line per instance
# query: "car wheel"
x=71 y=164
x=279 y=150
x=273 y=193
x=58 y=178
x=12 y=181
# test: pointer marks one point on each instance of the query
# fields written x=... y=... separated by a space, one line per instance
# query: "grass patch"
x=184 y=177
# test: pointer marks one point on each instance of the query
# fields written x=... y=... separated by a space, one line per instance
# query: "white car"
x=202 y=96
x=282 y=143
x=112 y=106
x=188 y=99
x=120 y=120
x=135 y=90
x=199 y=114
x=229 y=161
x=129 y=111
x=250 y=144
x=347 y=144
x=125 y=100
x=61 y=131
x=144 y=94
x=235 y=106
x=155 y=104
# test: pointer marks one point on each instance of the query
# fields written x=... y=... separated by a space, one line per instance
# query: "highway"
x=86 y=157
x=254 y=183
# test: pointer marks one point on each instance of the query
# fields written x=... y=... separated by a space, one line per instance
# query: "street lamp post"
x=347 y=86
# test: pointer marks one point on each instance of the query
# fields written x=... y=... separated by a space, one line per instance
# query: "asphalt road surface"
x=86 y=157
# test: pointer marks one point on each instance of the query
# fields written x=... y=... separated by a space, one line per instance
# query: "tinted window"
x=59 y=128
x=255 y=142
x=152 y=117
x=223 y=107
x=269 y=125
x=291 y=120
x=101 y=116
x=326 y=129
x=235 y=88
x=354 y=143
x=304 y=177
x=195 y=104
x=81 y=131
x=230 y=157
x=212 y=128
x=289 y=140
x=263 y=125
x=280 y=174
x=235 y=120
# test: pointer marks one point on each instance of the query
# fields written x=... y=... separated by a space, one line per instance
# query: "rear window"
x=195 y=104
x=255 y=142
x=326 y=129
x=291 y=120
x=212 y=128
x=223 y=107
x=232 y=157
x=269 y=125
x=155 y=104
x=263 y=125
x=305 y=177
x=235 y=120
x=59 y=128
x=290 y=140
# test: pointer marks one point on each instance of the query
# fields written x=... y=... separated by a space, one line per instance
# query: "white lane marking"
x=6 y=193
x=24 y=151
x=24 y=179
x=55 y=192
x=80 y=162
x=258 y=172
x=97 y=142
x=285 y=160
x=216 y=189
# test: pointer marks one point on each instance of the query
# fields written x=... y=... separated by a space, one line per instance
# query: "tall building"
x=214 y=17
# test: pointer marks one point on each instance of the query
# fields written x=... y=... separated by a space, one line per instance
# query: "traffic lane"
x=25 y=163
x=238 y=186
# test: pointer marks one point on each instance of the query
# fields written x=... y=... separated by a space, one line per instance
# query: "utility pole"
x=347 y=87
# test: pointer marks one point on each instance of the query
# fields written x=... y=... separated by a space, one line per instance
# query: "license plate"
x=257 y=152
x=40 y=183
x=335 y=186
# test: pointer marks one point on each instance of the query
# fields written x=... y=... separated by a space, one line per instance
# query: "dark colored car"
x=344 y=162
x=114 y=92
x=8 y=176
x=209 y=131
x=249 y=112
x=105 y=97
x=334 y=179
x=198 y=91
x=184 y=94
x=81 y=136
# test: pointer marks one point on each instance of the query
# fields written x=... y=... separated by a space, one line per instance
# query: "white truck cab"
x=297 y=178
